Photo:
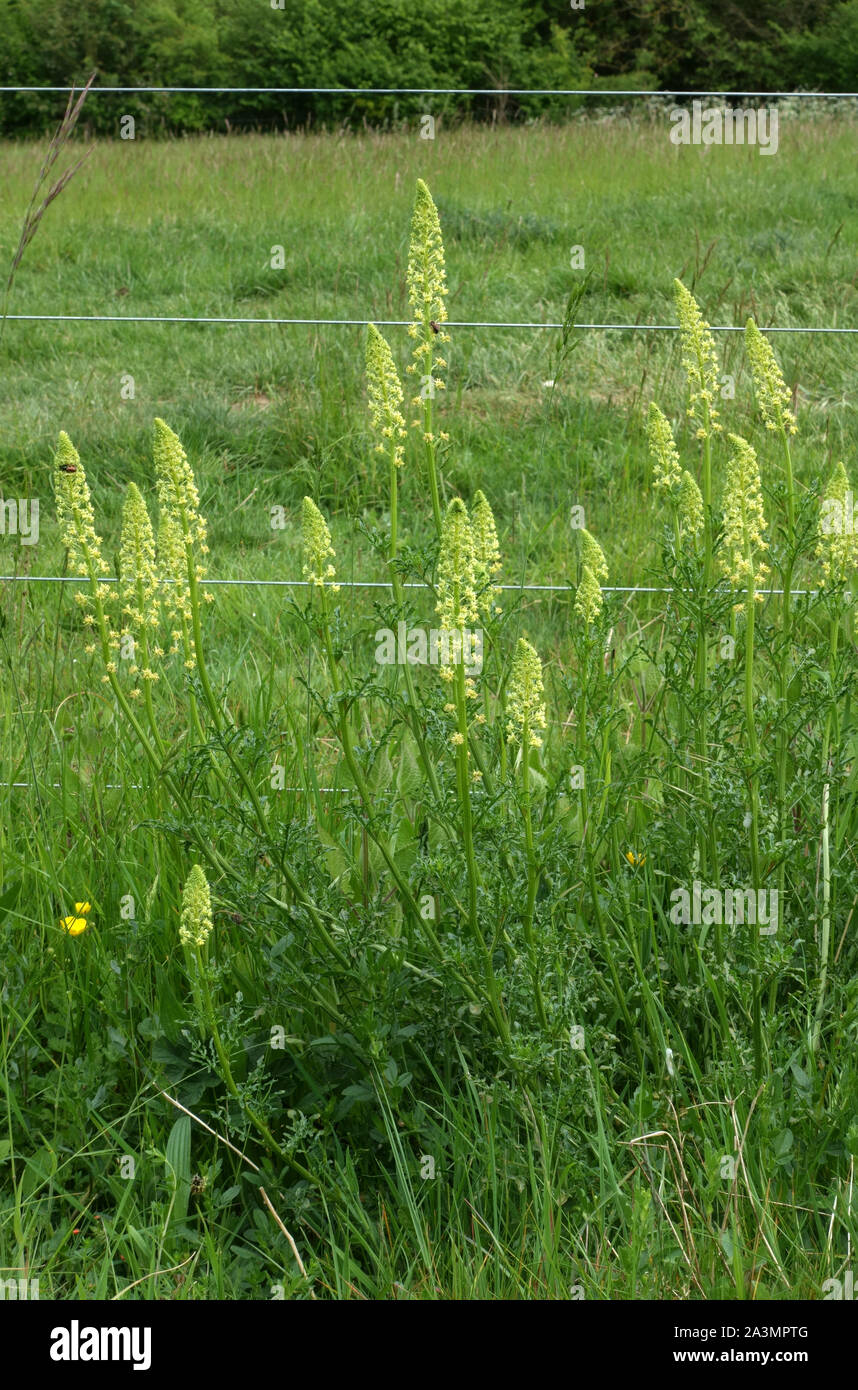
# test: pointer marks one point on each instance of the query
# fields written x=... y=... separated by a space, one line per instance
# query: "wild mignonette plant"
x=614 y=873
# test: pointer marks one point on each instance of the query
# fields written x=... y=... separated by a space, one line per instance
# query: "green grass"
x=599 y=1168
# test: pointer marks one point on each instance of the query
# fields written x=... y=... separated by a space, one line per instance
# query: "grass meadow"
x=448 y=1022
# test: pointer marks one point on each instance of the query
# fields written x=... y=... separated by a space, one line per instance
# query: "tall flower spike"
x=525 y=703
x=196 y=922
x=588 y=599
x=666 y=472
x=138 y=574
x=177 y=489
x=690 y=505
x=318 y=550
x=773 y=397
x=75 y=514
x=426 y=276
x=592 y=555
x=744 y=517
x=487 y=558
x=837 y=544
x=456 y=588
x=385 y=396
x=700 y=361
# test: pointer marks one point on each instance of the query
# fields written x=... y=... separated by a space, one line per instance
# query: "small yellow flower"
x=318 y=550
x=78 y=923
x=635 y=859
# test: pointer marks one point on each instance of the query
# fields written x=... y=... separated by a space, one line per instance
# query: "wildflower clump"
x=139 y=582
x=700 y=362
x=525 y=697
x=837 y=544
x=318 y=550
x=385 y=396
x=666 y=472
x=196 y=919
x=744 y=517
x=773 y=396
x=487 y=557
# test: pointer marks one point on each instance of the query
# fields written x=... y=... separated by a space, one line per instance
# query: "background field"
x=268 y=414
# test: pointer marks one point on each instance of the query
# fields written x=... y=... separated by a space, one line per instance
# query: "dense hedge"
x=461 y=43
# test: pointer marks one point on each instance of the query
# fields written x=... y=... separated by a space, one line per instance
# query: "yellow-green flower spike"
x=700 y=361
x=690 y=506
x=318 y=550
x=456 y=586
x=75 y=513
x=837 y=544
x=385 y=396
x=138 y=574
x=487 y=557
x=744 y=517
x=666 y=472
x=588 y=599
x=426 y=275
x=173 y=572
x=177 y=489
x=196 y=922
x=593 y=556
x=773 y=397
x=525 y=705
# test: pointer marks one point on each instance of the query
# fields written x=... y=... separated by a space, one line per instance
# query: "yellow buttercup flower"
x=700 y=361
x=773 y=396
x=78 y=923
x=635 y=859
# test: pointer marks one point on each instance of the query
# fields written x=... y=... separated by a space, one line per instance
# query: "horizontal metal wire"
x=369 y=584
x=403 y=323
x=444 y=91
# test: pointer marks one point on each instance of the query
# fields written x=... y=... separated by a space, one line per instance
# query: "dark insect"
x=434 y=326
x=198 y=1185
x=68 y=467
